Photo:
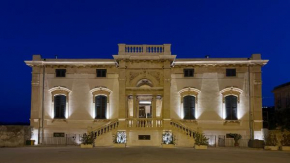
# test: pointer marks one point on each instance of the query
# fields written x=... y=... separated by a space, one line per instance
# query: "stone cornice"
x=226 y=62
x=71 y=63
x=147 y=58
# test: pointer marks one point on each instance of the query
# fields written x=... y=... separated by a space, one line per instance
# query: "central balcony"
x=143 y=123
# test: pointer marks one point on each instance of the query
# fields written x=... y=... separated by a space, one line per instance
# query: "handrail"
x=106 y=128
x=144 y=122
x=183 y=128
x=144 y=48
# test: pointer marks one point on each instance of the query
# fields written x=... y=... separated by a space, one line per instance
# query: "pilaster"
x=122 y=90
x=153 y=106
x=166 y=90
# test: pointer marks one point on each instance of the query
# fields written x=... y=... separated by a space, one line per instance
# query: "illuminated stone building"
x=143 y=92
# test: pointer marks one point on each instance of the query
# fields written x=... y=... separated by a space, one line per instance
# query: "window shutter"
x=101 y=107
x=189 y=107
x=231 y=107
x=59 y=106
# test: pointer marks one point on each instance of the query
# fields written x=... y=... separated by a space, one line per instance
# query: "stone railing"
x=182 y=128
x=144 y=49
x=144 y=123
x=106 y=128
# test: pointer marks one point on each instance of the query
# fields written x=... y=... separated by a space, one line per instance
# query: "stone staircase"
x=104 y=134
x=184 y=135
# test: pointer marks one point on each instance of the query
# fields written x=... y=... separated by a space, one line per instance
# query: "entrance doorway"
x=145 y=109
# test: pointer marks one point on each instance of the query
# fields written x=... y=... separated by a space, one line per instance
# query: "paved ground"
x=139 y=155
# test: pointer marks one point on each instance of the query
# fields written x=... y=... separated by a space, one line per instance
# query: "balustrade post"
x=122 y=50
x=167 y=49
x=144 y=50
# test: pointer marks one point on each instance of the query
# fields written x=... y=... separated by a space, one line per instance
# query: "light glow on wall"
x=130 y=107
x=66 y=110
x=52 y=110
x=34 y=136
x=259 y=135
x=108 y=111
x=224 y=110
x=158 y=107
x=145 y=102
x=181 y=111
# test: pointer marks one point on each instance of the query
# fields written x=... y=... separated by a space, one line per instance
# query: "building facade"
x=282 y=96
x=144 y=92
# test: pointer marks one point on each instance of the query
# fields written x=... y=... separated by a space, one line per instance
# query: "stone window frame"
x=59 y=90
x=234 y=91
x=189 y=91
x=100 y=91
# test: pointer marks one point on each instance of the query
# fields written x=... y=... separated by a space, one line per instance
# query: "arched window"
x=231 y=96
x=59 y=106
x=59 y=102
x=101 y=103
x=100 y=107
x=189 y=107
x=231 y=107
x=189 y=99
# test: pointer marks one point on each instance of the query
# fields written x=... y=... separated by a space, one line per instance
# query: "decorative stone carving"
x=154 y=76
x=231 y=91
x=101 y=91
x=144 y=82
x=157 y=75
x=189 y=91
x=133 y=75
x=232 y=122
x=59 y=91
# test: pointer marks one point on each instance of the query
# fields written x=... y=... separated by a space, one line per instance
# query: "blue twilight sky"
x=92 y=29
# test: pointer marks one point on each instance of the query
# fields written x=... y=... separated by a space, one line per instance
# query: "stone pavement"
x=75 y=154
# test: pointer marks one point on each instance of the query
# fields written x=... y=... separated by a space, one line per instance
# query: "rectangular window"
x=188 y=72
x=231 y=72
x=60 y=72
x=101 y=72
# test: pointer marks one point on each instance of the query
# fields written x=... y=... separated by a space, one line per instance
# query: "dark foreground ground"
x=139 y=155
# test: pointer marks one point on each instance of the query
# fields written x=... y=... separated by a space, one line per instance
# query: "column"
x=134 y=106
x=153 y=106
x=137 y=107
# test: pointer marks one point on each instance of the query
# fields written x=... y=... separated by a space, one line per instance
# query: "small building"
x=282 y=96
x=144 y=92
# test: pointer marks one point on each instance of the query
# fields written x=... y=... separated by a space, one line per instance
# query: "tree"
x=283 y=119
